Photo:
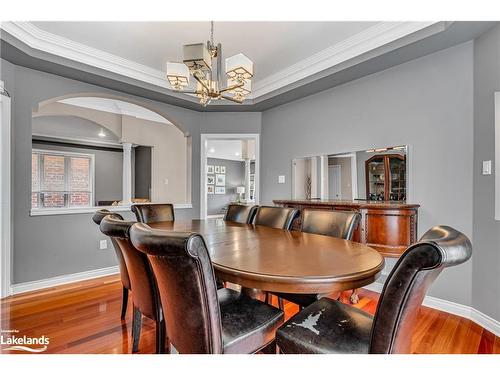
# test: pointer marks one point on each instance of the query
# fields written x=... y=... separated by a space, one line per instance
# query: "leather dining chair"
x=328 y=326
x=340 y=224
x=240 y=213
x=200 y=318
x=276 y=217
x=97 y=218
x=153 y=212
x=144 y=290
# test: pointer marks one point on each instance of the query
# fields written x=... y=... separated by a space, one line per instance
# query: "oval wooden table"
x=276 y=260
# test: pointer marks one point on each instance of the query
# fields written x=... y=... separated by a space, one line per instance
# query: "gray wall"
x=235 y=176
x=426 y=103
x=108 y=169
x=142 y=172
x=47 y=246
x=486 y=261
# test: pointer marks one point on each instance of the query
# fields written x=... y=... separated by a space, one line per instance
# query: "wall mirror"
x=377 y=175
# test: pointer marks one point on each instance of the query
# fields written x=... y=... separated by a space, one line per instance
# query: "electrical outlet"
x=103 y=244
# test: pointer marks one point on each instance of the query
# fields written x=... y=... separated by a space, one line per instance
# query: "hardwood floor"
x=84 y=317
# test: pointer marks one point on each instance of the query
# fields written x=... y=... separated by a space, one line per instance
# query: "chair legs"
x=136 y=329
x=354 y=298
x=124 y=302
x=280 y=304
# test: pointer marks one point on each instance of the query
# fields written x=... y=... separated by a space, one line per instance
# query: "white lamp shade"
x=239 y=64
x=245 y=89
x=197 y=57
x=177 y=74
x=240 y=190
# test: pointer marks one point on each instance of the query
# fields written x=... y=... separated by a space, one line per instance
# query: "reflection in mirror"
x=376 y=174
x=91 y=151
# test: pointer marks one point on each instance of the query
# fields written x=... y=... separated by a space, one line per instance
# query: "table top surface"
x=283 y=261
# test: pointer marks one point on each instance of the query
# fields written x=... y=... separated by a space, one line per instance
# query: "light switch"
x=165 y=181
x=281 y=179
x=486 y=167
x=103 y=244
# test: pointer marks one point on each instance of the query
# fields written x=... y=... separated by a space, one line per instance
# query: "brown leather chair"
x=97 y=218
x=276 y=217
x=200 y=318
x=328 y=326
x=240 y=213
x=340 y=224
x=153 y=212
x=144 y=290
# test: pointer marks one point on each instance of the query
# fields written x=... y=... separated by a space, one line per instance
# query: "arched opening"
x=105 y=150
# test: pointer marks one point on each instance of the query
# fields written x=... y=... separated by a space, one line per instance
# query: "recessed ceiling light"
x=212 y=150
x=237 y=153
x=101 y=133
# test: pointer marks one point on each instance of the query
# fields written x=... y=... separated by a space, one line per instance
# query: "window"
x=61 y=179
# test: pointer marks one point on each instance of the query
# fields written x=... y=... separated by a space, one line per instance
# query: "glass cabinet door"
x=397 y=184
x=375 y=178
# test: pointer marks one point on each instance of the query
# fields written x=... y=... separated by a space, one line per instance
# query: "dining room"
x=235 y=186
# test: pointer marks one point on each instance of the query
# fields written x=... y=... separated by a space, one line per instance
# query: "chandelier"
x=198 y=62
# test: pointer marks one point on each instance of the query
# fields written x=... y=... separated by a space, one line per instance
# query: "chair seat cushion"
x=299 y=299
x=247 y=324
x=326 y=326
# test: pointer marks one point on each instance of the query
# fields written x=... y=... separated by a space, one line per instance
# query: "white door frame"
x=5 y=197
x=203 y=165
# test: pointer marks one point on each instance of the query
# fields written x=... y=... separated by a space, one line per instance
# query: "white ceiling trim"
x=365 y=41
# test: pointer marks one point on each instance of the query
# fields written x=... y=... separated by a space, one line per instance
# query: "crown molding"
x=368 y=40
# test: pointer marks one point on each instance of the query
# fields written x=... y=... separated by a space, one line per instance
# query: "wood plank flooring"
x=84 y=317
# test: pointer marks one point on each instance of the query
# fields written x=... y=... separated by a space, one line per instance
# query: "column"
x=127 y=173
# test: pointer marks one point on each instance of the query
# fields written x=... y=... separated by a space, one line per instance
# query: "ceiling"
x=71 y=129
x=292 y=59
x=272 y=46
x=115 y=106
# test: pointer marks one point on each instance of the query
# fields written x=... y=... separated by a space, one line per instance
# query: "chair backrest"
x=340 y=224
x=153 y=212
x=407 y=284
x=240 y=213
x=186 y=283
x=97 y=218
x=144 y=290
x=276 y=217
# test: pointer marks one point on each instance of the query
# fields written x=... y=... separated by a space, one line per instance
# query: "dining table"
x=277 y=260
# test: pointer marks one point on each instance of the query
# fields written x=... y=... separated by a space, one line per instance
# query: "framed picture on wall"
x=210 y=189
x=217 y=169
x=210 y=169
x=220 y=180
x=223 y=169
x=220 y=190
x=210 y=179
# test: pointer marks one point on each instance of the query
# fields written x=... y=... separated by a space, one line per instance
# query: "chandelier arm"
x=231 y=99
x=201 y=82
x=229 y=88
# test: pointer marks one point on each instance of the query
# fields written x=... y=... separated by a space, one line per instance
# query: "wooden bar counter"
x=389 y=227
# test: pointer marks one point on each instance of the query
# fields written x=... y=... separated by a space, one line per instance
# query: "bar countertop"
x=348 y=203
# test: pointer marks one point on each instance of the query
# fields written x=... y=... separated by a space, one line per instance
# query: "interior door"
x=334 y=182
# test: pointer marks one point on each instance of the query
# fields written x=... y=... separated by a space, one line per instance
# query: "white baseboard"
x=63 y=279
x=454 y=308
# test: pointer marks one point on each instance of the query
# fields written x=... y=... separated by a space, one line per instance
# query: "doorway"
x=334 y=182
x=230 y=171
